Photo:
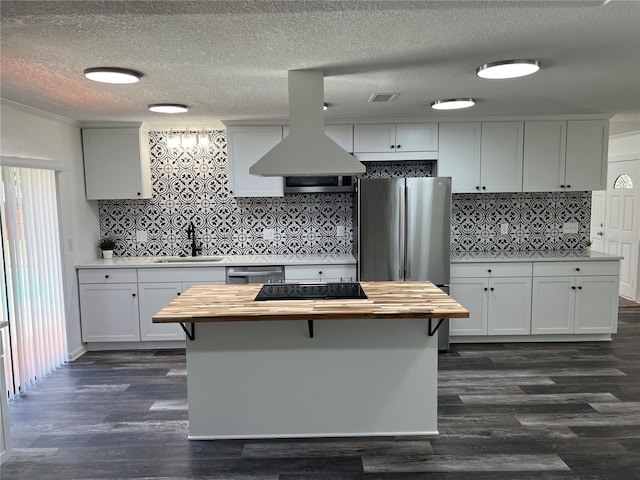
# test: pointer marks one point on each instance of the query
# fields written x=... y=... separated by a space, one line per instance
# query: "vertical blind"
x=35 y=339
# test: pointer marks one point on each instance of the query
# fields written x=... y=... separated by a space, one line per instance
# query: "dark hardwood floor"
x=561 y=411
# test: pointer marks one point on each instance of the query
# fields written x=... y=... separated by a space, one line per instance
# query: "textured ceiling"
x=228 y=60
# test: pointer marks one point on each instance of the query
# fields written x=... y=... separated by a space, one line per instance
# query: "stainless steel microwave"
x=320 y=184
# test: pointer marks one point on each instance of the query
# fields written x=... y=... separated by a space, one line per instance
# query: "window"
x=623 y=181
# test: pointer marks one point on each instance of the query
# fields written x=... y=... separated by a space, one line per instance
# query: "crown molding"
x=38 y=112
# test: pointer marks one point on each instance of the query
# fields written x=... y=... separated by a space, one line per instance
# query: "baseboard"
x=102 y=346
x=597 y=337
x=77 y=353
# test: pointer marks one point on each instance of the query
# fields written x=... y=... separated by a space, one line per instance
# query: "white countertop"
x=227 y=260
x=533 y=256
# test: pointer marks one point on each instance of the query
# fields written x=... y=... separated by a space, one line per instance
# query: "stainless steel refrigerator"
x=403 y=232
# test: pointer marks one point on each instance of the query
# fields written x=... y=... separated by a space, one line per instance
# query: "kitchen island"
x=256 y=370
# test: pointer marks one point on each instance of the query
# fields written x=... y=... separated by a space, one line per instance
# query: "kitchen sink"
x=203 y=259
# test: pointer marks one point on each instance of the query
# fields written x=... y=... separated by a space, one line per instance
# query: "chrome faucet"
x=191 y=235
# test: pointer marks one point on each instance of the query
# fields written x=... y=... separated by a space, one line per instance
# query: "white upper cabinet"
x=562 y=155
x=545 y=145
x=395 y=138
x=374 y=138
x=481 y=157
x=341 y=134
x=245 y=146
x=587 y=146
x=501 y=157
x=116 y=163
x=459 y=156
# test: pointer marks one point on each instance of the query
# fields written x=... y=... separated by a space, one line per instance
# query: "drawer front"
x=317 y=273
x=490 y=270
x=108 y=275
x=542 y=269
x=205 y=275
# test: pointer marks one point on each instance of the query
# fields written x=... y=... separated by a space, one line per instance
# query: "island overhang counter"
x=254 y=371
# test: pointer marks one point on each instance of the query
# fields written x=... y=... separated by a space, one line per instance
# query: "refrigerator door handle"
x=407 y=264
x=402 y=223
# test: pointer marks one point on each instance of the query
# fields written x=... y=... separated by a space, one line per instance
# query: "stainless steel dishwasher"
x=263 y=274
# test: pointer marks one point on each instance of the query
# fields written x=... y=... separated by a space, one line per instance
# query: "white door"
x=622 y=226
x=598 y=216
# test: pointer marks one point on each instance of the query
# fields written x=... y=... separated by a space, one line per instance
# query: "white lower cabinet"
x=109 y=312
x=471 y=294
x=117 y=305
x=319 y=273
x=574 y=300
x=545 y=297
x=159 y=286
x=154 y=296
x=498 y=297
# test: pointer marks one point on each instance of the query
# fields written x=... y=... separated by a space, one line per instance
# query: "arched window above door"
x=623 y=181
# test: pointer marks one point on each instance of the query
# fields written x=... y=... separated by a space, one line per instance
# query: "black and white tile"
x=191 y=185
x=535 y=221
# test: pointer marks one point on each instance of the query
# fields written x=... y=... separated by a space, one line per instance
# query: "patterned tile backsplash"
x=191 y=185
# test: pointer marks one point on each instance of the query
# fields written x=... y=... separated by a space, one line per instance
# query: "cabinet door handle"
x=484 y=188
x=577 y=269
x=392 y=147
x=492 y=289
x=138 y=193
x=106 y=276
x=489 y=270
x=579 y=288
x=573 y=288
x=320 y=272
x=485 y=289
x=133 y=294
x=561 y=186
x=178 y=293
x=568 y=186
x=398 y=146
x=477 y=187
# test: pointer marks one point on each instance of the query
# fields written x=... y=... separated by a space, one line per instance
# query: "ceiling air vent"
x=383 y=97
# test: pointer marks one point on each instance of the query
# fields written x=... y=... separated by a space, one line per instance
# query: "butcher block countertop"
x=235 y=303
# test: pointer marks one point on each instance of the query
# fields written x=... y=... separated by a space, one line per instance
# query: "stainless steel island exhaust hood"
x=306 y=151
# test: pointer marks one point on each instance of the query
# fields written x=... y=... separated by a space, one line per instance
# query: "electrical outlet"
x=504 y=228
x=340 y=231
x=141 y=236
x=268 y=234
x=570 y=227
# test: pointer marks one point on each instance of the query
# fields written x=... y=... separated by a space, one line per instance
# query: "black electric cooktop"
x=310 y=291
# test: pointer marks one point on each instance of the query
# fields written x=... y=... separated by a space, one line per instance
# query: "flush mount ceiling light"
x=112 y=75
x=168 y=108
x=453 y=103
x=508 y=69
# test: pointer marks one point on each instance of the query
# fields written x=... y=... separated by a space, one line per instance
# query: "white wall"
x=624 y=144
x=29 y=133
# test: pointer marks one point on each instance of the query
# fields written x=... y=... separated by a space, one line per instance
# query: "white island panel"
x=354 y=378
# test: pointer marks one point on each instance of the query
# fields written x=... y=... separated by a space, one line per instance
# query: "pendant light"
x=173 y=139
x=203 y=138
x=508 y=69
x=189 y=139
